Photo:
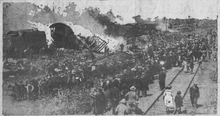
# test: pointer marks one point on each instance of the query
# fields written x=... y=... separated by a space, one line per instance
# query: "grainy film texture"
x=109 y=58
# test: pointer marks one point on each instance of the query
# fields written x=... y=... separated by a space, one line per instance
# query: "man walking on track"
x=179 y=102
x=162 y=77
x=194 y=95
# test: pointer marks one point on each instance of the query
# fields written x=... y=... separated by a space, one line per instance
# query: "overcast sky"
x=146 y=8
x=161 y=8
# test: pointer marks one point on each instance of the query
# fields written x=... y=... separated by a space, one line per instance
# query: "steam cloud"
x=87 y=23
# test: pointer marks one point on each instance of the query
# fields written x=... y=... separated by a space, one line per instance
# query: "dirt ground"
x=207 y=103
x=206 y=79
x=179 y=84
x=154 y=90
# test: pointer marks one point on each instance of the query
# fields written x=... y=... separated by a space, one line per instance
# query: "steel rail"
x=162 y=92
x=189 y=85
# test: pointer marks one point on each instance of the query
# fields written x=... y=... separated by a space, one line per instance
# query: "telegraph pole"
x=165 y=19
x=216 y=38
x=217 y=23
x=166 y=23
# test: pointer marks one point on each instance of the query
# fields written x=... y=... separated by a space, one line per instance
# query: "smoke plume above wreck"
x=109 y=25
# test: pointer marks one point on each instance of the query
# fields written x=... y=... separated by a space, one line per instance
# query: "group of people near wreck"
x=62 y=75
x=122 y=82
x=122 y=91
x=59 y=76
x=170 y=100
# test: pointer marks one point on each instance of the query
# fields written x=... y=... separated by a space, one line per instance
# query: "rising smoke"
x=88 y=23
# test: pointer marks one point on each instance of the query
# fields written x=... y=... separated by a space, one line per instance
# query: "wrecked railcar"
x=17 y=43
x=24 y=43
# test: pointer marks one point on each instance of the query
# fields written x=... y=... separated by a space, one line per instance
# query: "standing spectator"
x=122 y=47
x=131 y=97
x=194 y=95
x=179 y=61
x=122 y=109
x=103 y=100
x=191 y=65
x=98 y=101
x=200 y=64
x=145 y=82
x=114 y=98
x=214 y=54
x=188 y=60
x=168 y=97
x=209 y=53
x=185 y=65
x=162 y=77
x=138 y=84
x=150 y=72
x=154 y=68
x=95 y=104
x=179 y=102
x=106 y=51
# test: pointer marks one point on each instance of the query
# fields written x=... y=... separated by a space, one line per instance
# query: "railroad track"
x=158 y=107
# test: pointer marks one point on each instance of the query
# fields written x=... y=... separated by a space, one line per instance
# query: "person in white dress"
x=185 y=65
x=168 y=97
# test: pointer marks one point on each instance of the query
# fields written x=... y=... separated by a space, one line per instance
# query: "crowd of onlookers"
x=122 y=82
x=123 y=90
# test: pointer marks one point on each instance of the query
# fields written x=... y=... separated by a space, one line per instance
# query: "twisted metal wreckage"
x=32 y=40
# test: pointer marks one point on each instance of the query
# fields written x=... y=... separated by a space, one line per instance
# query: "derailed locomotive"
x=22 y=43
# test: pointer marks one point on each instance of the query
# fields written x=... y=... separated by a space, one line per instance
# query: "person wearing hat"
x=168 y=91
x=168 y=97
x=178 y=102
x=131 y=97
x=194 y=94
x=145 y=81
x=122 y=109
x=138 y=84
x=162 y=78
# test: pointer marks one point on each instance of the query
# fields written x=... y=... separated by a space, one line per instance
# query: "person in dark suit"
x=194 y=95
x=138 y=85
x=179 y=102
x=122 y=47
x=114 y=98
x=98 y=101
x=145 y=82
x=162 y=78
x=191 y=66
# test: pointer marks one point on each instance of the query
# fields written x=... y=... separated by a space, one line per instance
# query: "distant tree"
x=5 y=12
x=170 y=26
